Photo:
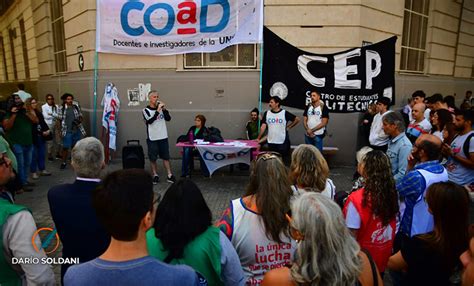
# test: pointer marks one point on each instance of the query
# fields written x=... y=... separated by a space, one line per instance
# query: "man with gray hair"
x=71 y=208
x=155 y=116
x=424 y=169
x=399 y=146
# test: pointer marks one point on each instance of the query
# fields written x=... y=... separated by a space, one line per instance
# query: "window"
x=25 y=48
x=57 y=21
x=233 y=57
x=4 y=5
x=4 y=59
x=415 y=25
x=12 y=36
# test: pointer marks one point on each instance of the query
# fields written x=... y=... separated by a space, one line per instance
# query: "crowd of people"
x=34 y=133
x=407 y=216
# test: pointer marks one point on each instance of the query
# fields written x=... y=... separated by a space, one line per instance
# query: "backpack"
x=213 y=134
x=182 y=138
x=465 y=147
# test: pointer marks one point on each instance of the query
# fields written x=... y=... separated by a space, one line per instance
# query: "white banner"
x=167 y=27
x=217 y=157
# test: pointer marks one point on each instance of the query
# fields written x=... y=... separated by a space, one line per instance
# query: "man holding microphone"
x=155 y=116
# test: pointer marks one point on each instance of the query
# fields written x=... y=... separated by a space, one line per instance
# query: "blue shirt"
x=398 y=150
x=142 y=271
x=411 y=187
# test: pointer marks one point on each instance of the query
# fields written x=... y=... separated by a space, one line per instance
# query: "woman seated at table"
x=197 y=132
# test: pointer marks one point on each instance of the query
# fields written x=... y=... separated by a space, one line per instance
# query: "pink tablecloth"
x=250 y=144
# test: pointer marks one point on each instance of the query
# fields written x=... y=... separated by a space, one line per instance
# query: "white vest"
x=276 y=123
x=157 y=130
x=422 y=221
x=257 y=253
x=329 y=191
x=315 y=115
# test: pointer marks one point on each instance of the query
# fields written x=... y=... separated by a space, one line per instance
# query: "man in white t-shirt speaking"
x=279 y=121
x=155 y=116
x=315 y=119
x=460 y=154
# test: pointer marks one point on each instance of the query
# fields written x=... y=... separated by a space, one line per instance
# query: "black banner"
x=348 y=81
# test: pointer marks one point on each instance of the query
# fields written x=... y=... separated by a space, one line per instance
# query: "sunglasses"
x=268 y=156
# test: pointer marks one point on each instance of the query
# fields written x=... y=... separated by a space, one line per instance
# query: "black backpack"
x=182 y=138
x=465 y=147
x=213 y=134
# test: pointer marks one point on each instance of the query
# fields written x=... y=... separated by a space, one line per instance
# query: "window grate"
x=241 y=56
x=57 y=22
x=12 y=36
x=25 y=48
x=415 y=26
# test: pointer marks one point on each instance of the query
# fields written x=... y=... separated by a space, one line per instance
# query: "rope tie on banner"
x=94 y=112
x=260 y=87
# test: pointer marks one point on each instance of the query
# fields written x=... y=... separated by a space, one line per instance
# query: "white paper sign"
x=167 y=27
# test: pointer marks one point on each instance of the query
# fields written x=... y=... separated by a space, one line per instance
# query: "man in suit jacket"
x=81 y=234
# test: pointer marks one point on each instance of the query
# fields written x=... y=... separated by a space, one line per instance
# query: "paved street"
x=218 y=191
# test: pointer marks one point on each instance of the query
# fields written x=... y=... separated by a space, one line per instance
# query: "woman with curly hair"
x=440 y=118
x=256 y=223
x=309 y=171
x=327 y=254
x=370 y=212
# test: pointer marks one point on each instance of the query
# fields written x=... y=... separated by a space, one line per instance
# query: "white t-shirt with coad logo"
x=157 y=129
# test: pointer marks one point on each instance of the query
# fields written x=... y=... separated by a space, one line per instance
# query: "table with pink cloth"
x=220 y=154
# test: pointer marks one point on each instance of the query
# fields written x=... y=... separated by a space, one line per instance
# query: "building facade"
x=50 y=46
